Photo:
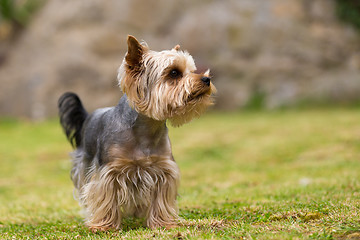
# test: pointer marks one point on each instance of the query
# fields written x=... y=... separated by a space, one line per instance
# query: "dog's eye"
x=175 y=73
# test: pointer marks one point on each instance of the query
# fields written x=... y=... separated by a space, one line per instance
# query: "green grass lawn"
x=252 y=175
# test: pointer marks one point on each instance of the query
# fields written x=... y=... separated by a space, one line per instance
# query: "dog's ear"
x=176 y=48
x=135 y=51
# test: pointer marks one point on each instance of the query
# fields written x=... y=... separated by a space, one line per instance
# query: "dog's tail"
x=72 y=117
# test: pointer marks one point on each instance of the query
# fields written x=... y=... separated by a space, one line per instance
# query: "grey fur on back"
x=122 y=126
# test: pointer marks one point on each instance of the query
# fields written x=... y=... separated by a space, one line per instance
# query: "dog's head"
x=163 y=85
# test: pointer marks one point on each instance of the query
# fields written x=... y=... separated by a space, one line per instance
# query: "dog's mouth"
x=199 y=94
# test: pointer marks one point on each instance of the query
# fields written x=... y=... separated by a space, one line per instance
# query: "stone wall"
x=286 y=50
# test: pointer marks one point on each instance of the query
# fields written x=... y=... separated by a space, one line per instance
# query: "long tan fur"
x=142 y=188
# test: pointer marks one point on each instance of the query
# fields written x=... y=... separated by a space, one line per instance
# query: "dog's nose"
x=206 y=80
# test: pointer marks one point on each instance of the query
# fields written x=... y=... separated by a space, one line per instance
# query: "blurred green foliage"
x=18 y=13
x=349 y=11
x=256 y=101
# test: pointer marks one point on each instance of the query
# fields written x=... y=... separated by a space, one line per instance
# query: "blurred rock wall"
x=286 y=50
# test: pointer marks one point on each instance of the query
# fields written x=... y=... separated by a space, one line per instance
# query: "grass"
x=251 y=175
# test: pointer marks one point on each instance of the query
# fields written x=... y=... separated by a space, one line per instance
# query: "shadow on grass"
x=73 y=227
x=222 y=219
x=70 y=228
x=47 y=229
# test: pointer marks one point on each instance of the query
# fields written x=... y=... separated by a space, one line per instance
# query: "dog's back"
x=72 y=117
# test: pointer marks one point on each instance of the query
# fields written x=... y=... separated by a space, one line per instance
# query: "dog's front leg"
x=100 y=197
x=163 y=211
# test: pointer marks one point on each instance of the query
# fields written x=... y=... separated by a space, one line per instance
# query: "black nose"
x=206 y=80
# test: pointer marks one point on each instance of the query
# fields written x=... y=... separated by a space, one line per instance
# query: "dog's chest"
x=137 y=149
x=141 y=169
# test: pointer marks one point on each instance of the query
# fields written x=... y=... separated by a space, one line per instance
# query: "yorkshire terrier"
x=122 y=163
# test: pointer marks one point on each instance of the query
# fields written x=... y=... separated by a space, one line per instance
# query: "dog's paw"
x=95 y=229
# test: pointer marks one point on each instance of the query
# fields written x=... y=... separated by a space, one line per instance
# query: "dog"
x=122 y=164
